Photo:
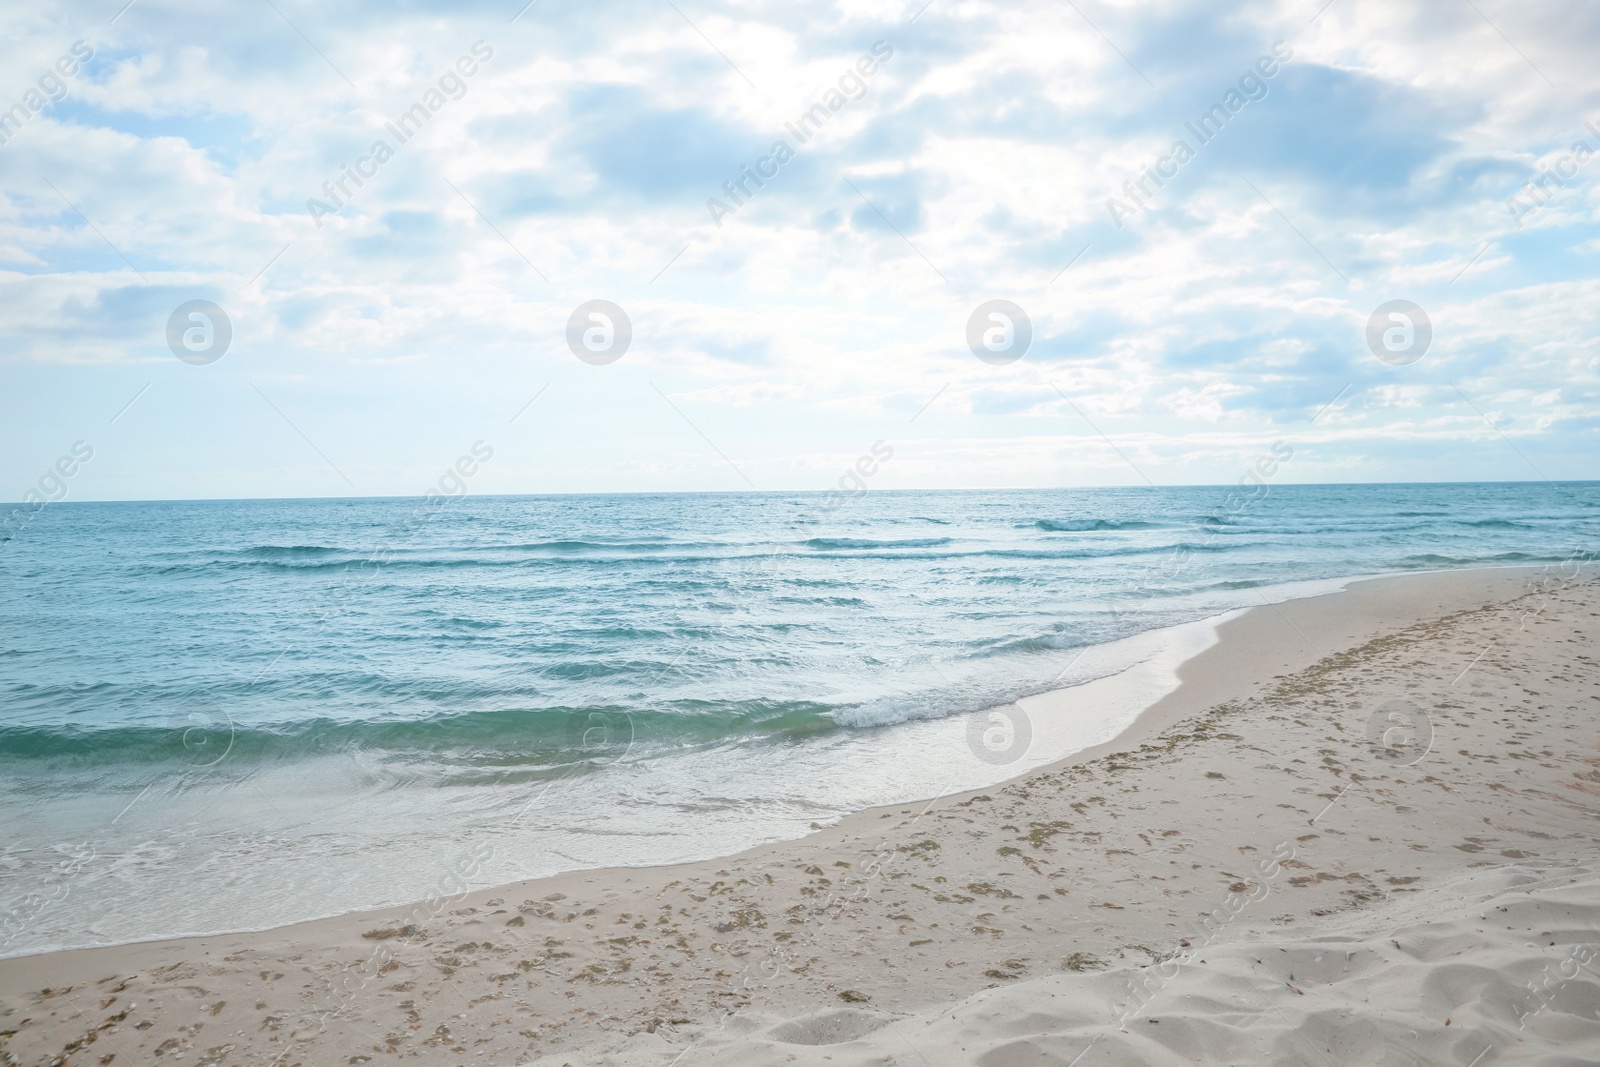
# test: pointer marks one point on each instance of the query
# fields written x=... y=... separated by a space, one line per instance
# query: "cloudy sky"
x=557 y=154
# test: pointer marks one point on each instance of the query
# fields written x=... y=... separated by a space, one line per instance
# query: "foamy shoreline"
x=1106 y=687
x=181 y=830
x=896 y=911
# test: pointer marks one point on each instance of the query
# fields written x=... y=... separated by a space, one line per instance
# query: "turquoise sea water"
x=267 y=710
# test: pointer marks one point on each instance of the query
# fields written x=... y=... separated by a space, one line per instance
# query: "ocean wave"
x=1042 y=552
x=1362 y=524
x=1088 y=525
x=1381 y=526
x=484 y=634
x=379 y=546
x=606 y=546
x=837 y=548
x=289 y=551
x=456 y=556
x=828 y=543
x=504 y=738
x=1434 y=559
x=1035 y=643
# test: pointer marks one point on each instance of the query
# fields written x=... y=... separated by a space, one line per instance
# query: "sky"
x=1170 y=312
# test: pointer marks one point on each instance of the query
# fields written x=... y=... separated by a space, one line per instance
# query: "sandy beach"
x=776 y=535
x=1362 y=829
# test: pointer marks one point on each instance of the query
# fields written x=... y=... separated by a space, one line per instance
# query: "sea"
x=238 y=714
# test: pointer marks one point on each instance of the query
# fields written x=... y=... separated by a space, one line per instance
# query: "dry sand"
x=1243 y=877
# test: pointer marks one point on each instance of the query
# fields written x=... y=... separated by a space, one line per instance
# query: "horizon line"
x=787 y=492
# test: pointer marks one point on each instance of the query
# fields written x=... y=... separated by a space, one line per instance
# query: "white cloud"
x=990 y=140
